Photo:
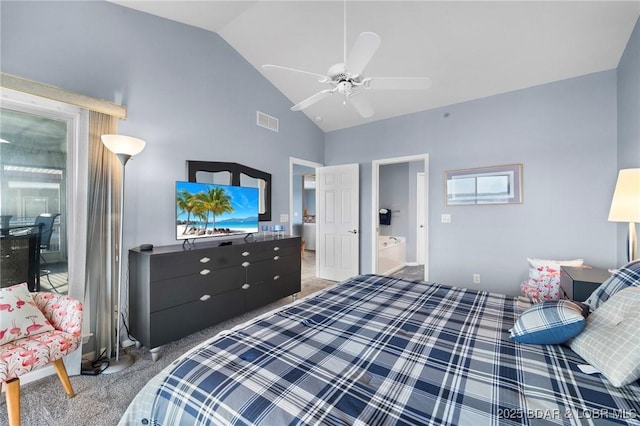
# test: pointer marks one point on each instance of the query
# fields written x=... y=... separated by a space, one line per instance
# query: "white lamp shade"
x=120 y=144
x=625 y=206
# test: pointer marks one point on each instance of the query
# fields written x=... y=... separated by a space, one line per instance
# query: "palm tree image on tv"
x=211 y=210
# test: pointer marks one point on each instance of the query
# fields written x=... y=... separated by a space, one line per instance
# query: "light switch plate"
x=445 y=218
x=284 y=218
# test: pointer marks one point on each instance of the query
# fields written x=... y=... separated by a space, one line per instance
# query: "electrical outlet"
x=476 y=278
x=445 y=218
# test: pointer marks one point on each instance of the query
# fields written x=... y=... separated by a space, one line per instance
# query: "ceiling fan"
x=346 y=78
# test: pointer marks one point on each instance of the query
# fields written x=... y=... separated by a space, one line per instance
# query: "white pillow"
x=610 y=341
x=556 y=264
x=19 y=315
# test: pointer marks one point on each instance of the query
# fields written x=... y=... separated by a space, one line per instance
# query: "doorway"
x=40 y=147
x=302 y=212
x=400 y=215
x=44 y=173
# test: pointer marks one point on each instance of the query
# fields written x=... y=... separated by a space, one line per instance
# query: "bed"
x=377 y=350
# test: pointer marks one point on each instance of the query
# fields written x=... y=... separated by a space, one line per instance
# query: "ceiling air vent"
x=267 y=121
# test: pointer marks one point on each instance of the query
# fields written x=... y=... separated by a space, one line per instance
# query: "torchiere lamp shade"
x=120 y=144
x=625 y=206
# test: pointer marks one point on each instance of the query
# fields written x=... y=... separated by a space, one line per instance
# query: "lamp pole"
x=124 y=147
x=123 y=159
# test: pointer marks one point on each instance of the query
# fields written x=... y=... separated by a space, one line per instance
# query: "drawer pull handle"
x=205 y=297
x=245 y=253
x=276 y=257
x=276 y=248
x=204 y=260
x=245 y=264
x=205 y=272
x=245 y=286
x=277 y=277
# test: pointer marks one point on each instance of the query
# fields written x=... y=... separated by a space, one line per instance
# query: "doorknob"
x=355 y=231
x=421 y=226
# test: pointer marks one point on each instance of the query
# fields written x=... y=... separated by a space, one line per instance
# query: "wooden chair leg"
x=64 y=377
x=13 y=401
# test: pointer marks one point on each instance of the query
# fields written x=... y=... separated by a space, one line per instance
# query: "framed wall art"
x=484 y=185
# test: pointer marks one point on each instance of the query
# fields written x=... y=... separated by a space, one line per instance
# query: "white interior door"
x=421 y=217
x=337 y=204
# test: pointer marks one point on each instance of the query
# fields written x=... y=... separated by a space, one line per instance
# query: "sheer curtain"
x=103 y=236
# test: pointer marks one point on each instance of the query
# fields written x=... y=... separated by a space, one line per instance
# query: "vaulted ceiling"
x=469 y=49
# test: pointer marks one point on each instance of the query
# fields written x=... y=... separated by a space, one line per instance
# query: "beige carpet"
x=101 y=400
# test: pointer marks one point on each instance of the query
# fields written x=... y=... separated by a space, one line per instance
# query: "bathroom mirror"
x=484 y=185
x=234 y=174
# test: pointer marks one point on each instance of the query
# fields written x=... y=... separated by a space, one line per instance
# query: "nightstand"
x=579 y=283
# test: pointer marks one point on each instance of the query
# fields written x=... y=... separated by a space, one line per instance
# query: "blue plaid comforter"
x=382 y=351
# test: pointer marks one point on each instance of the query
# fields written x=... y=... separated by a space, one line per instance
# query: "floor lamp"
x=124 y=147
x=625 y=207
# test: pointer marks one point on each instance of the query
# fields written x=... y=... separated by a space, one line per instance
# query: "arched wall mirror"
x=234 y=174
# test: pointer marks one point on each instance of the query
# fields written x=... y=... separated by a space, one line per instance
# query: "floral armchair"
x=62 y=334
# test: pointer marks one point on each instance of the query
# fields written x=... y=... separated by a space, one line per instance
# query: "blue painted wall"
x=191 y=96
x=564 y=133
x=188 y=94
x=394 y=195
x=628 y=119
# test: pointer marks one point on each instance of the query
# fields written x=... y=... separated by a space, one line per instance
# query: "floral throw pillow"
x=544 y=279
x=543 y=284
x=19 y=316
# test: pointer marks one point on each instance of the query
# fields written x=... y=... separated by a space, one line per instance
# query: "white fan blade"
x=361 y=104
x=321 y=78
x=362 y=52
x=313 y=99
x=397 y=83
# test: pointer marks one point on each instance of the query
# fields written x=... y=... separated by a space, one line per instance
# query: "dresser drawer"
x=270 y=290
x=274 y=266
x=264 y=250
x=177 y=291
x=194 y=261
x=174 y=323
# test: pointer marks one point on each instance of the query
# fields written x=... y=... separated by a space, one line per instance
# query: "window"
x=41 y=144
x=487 y=185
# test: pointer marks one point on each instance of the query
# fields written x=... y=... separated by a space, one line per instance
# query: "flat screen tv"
x=205 y=210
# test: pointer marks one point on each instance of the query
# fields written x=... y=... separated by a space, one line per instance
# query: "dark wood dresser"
x=175 y=291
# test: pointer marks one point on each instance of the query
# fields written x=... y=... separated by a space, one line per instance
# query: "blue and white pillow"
x=627 y=276
x=550 y=322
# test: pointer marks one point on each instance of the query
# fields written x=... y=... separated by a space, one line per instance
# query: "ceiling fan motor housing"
x=339 y=74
